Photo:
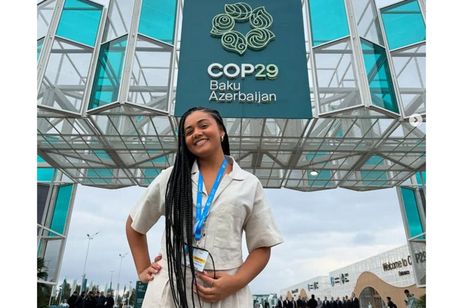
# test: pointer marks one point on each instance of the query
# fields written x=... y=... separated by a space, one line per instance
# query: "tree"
x=43 y=290
x=421 y=303
x=65 y=290
x=132 y=298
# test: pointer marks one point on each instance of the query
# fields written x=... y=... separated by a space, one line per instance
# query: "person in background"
x=390 y=304
x=280 y=302
x=312 y=302
x=109 y=301
x=80 y=300
x=355 y=301
x=72 y=300
x=100 y=300
x=410 y=299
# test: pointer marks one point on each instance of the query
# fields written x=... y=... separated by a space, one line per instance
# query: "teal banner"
x=245 y=59
x=140 y=290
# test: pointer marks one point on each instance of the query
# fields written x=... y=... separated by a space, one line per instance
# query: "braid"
x=179 y=212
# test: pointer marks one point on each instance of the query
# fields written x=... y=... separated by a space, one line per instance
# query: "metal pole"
x=119 y=274
x=89 y=237
x=111 y=282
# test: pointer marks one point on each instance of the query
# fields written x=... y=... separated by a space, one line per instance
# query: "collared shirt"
x=239 y=205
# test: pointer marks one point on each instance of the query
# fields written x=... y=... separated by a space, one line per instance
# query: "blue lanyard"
x=201 y=216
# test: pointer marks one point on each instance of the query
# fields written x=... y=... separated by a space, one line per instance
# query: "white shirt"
x=239 y=205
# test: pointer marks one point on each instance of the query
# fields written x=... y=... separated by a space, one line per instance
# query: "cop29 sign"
x=246 y=59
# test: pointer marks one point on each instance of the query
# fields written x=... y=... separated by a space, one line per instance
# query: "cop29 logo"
x=257 y=38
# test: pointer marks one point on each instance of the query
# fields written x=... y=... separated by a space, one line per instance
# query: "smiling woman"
x=201 y=258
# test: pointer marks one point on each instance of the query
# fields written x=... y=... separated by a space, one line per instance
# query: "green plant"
x=421 y=303
x=43 y=290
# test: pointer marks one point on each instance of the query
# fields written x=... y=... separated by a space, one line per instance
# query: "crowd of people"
x=345 y=302
x=91 y=300
x=303 y=302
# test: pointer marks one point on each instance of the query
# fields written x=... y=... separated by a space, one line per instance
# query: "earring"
x=221 y=137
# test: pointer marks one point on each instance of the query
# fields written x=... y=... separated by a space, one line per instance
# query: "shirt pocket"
x=228 y=226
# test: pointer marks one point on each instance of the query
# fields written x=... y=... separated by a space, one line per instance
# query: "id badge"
x=199 y=258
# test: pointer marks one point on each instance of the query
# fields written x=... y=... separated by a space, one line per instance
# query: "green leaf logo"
x=239 y=11
x=221 y=24
x=258 y=38
x=260 y=18
x=234 y=41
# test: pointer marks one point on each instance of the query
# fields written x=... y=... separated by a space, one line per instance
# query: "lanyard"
x=202 y=215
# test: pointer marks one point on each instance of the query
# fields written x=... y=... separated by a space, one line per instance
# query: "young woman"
x=208 y=201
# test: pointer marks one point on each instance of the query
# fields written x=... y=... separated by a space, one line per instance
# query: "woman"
x=205 y=234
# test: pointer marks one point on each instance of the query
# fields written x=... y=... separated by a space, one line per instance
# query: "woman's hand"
x=219 y=288
x=148 y=273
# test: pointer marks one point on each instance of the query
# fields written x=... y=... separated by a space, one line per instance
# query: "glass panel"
x=150 y=75
x=379 y=76
x=44 y=15
x=367 y=21
x=108 y=73
x=60 y=211
x=150 y=175
x=321 y=180
x=403 y=24
x=328 y=20
x=337 y=84
x=410 y=70
x=51 y=256
x=99 y=175
x=42 y=194
x=79 y=21
x=157 y=19
x=119 y=19
x=418 y=178
x=45 y=174
x=411 y=211
x=39 y=47
x=65 y=76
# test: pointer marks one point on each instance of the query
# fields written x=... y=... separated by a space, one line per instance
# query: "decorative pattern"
x=256 y=39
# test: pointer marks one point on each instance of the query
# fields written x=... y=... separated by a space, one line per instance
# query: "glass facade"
x=403 y=24
x=128 y=87
x=157 y=19
x=60 y=211
x=414 y=224
x=39 y=47
x=379 y=76
x=64 y=82
x=108 y=74
x=328 y=20
x=336 y=77
x=150 y=74
x=374 y=177
x=86 y=15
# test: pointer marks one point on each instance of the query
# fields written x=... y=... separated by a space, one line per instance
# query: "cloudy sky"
x=323 y=231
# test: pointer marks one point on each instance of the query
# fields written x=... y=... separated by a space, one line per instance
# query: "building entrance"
x=370 y=298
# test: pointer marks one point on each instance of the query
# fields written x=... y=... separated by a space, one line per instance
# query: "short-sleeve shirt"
x=239 y=205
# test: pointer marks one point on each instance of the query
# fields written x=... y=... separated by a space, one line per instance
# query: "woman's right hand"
x=148 y=273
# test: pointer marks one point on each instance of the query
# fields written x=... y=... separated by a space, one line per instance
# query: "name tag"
x=199 y=258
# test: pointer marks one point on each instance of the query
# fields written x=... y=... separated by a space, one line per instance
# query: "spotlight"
x=314 y=173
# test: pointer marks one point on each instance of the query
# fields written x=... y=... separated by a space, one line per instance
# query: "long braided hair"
x=179 y=211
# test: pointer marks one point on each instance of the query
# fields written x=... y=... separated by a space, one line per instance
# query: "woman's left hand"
x=219 y=288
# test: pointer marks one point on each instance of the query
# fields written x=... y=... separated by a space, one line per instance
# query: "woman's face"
x=202 y=134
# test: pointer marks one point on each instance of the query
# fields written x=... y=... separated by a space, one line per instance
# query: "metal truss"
x=350 y=142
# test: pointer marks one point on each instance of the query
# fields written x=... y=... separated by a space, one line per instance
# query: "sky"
x=322 y=231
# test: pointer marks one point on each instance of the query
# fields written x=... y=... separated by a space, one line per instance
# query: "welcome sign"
x=246 y=59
